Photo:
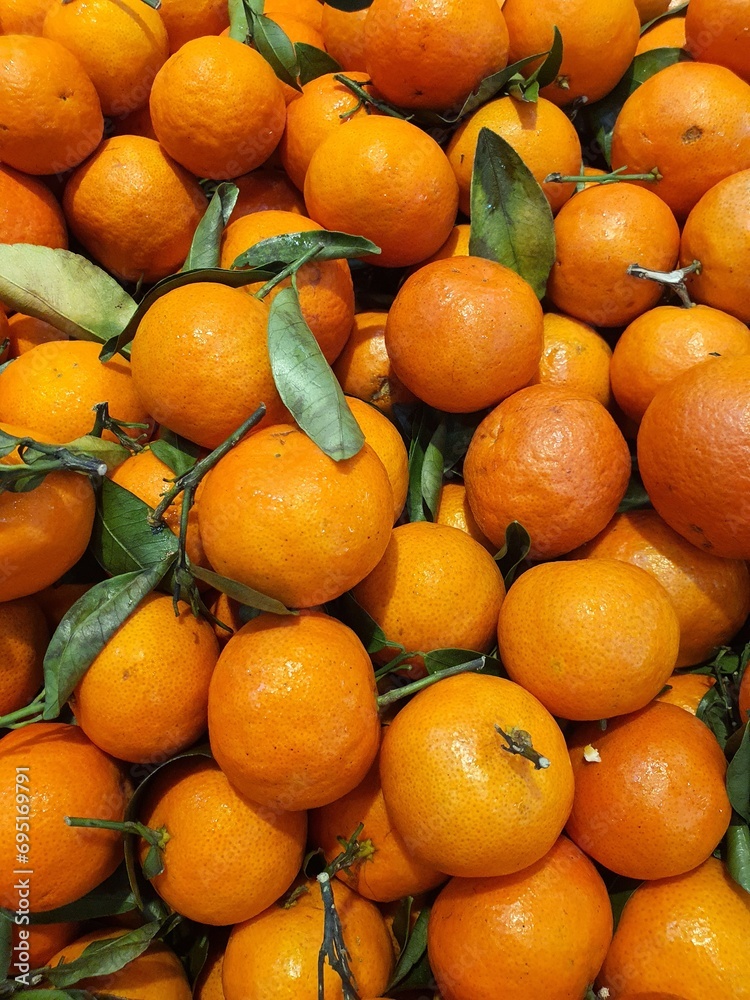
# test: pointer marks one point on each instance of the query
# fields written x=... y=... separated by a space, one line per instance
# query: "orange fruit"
x=411 y=47
x=388 y=445
x=157 y=974
x=56 y=600
x=51 y=113
x=120 y=44
x=649 y=9
x=687 y=691
x=29 y=212
x=261 y=851
x=208 y=984
x=312 y=117
x=66 y=776
x=718 y=32
x=476 y=809
x=23 y=17
x=296 y=30
x=669 y=34
x=54 y=387
x=344 y=36
x=326 y=293
x=178 y=335
x=457 y=244
x=690 y=121
x=691 y=454
x=589 y=30
x=276 y=953
x=295 y=688
x=454 y=510
x=188 y=19
x=744 y=704
x=389 y=873
x=41 y=942
x=591 y=638
x=265 y=190
x=575 y=358
x=45 y=531
x=364 y=369
x=217 y=107
x=716 y=233
x=104 y=200
x=228 y=611
x=541 y=932
x=436 y=334
x=710 y=595
x=279 y=515
x=309 y=12
x=434 y=588
x=666 y=341
x=552 y=459
x=599 y=232
x=145 y=696
x=26 y=332
x=655 y=805
x=386 y=180
x=542 y=135
x=655 y=946
x=138 y=122
x=23 y=643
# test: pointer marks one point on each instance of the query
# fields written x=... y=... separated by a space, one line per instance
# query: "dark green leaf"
x=239 y=592
x=439 y=660
x=738 y=852
x=286 y=249
x=401 y=927
x=672 y=12
x=431 y=481
x=122 y=539
x=88 y=626
x=109 y=899
x=239 y=27
x=179 y=461
x=68 y=994
x=738 y=778
x=601 y=115
x=416 y=948
x=426 y=446
x=619 y=898
x=460 y=428
x=314 y=62
x=6 y=947
x=515 y=549
x=636 y=497
x=110 y=453
x=370 y=634
x=64 y=289
x=511 y=221
x=276 y=48
x=349 y=5
x=102 y=958
x=549 y=69
x=196 y=956
x=306 y=384
x=205 y=250
x=153 y=863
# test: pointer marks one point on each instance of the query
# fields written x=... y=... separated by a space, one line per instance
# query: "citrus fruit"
x=718 y=32
x=25 y=332
x=669 y=34
x=574 y=357
x=686 y=691
x=23 y=17
x=188 y=19
x=23 y=643
x=266 y=189
x=454 y=510
x=364 y=369
x=344 y=36
x=388 y=445
x=29 y=212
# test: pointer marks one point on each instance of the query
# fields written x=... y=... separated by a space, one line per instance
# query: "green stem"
x=333 y=947
x=289 y=270
x=156 y=838
x=384 y=700
x=39 y=459
x=394 y=664
x=23 y=715
x=360 y=92
x=519 y=743
x=611 y=178
x=671 y=279
x=103 y=422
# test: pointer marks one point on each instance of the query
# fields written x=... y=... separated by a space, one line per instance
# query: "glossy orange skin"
x=710 y=595
x=574 y=357
x=23 y=17
x=656 y=805
x=693 y=436
x=44 y=134
x=454 y=510
x=601 y=231
x=25 y=332
x=717 y=233
x=541 y=932
x=23 y=642
x=649 y=9
x=276 y=953
x=589 y=30
x=187 y=19
x=217 y=107
x=260 y=850
x=542 y=135
x=669 y=34
x=266 y=189
x=43 y=942
x=691 y=121
x=654 y=946
x=364 y=369
x=590 y=638
x=309 y=12
x=687 y=691
x=282 y=517
x=411 y=46
x=344 y=37
x=68 y=776
x=29 y=212
x=208 y=984
x=437 y=337
x=295 y=689
x=385 y=440
x=476 y=810
x=719 y=32
x=136 y=123
x=388 y=181
x=574 y=484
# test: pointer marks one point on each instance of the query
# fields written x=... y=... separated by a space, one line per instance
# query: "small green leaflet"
x=738 y=852
x=177 y=458
x=289 y=247
x=276 y=48
x=516 y=547
x=313 y=62
x=122 y=539
x=413 y=955
x=239 y=592
x=738 y=778
x=672 y=12
x=511 y=220
x=426 y=461
x=545 y=74
x=205 y=250
x=306 y=384
x=102 y=958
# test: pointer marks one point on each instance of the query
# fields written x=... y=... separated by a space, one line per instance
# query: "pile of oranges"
x=375 y=499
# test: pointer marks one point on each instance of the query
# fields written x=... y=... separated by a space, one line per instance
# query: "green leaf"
x=122 y=539
x=6 y=947
x=205 y=250
x=313 y=62
x=672 y=12
x=306 y=384
x=416 y=949
x=439 y=660
x=179 y=460
x=370 y=634
x=276 y=48
x=511 y=221
x=401 y=927
x=738 y=852
x=548 y=71
x=68 y=994
x=712 y=710
x=636 y=497
x=282 y=250
x=110 y=453
x=88 y=626
x=102 y=958
x=239 y=592
x=239 y=27
x=427 y=446
x=64 y=289
x=109 y=899
x=431 y=479
x=738 y=778
x=515 y=549
x=349 y=5
x=601 y=115
x=619 y=897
